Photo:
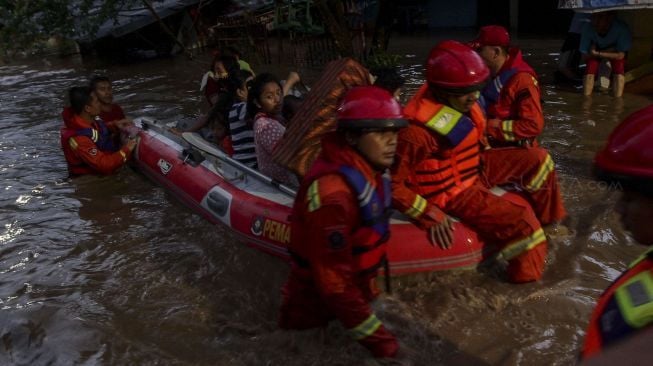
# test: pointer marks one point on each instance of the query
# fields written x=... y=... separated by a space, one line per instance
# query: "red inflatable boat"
x=256 y=208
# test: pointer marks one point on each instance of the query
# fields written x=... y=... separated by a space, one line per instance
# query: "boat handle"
x=236 y=177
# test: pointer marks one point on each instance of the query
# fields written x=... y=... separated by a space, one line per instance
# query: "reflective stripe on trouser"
x=532 y=169
x=366 y=328
x=303 y=307
x=522 y=245
x=509 y=225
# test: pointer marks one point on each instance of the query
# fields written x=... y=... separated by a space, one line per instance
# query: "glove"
x=439 y=227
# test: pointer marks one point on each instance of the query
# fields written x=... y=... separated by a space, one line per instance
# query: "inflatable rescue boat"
x=257 y=209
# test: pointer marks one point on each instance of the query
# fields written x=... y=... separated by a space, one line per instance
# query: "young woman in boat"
x=340 y=224
x=214 y=81
x=216 y=85
x=264 y=104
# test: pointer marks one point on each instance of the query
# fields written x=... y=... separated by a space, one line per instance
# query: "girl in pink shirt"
x=264 y=103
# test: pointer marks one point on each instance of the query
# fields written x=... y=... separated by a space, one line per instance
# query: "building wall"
x=443 y=13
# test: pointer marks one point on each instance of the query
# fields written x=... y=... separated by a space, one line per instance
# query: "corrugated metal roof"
x=591 y=6
x=138 y=16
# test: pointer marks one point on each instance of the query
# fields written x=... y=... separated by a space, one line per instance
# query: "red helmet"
x=454 y=67
x=370 y=107
x=628 y=155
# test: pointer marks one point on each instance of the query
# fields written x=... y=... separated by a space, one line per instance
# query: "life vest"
x=491 y=93
x=451 y=170
x=115 y=113
x=623 y=309
x=367 y=247
x=99 y=134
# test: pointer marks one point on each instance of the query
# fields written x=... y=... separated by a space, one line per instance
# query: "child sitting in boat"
x=240 y=131
x=264 y=103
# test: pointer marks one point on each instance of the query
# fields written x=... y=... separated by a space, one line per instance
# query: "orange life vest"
x=452 y=169
x=624 y=308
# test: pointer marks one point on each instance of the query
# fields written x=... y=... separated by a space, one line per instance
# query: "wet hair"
x=256 y=90
x=219 y=113
x=80 y=97
x=388 y=78
x=96 y=79
x=239 y=79
x=229 y=63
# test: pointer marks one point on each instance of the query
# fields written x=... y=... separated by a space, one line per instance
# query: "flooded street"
x=115 y=271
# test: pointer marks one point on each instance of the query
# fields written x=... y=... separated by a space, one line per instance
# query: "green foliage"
x=382 y=60
x=24 y=23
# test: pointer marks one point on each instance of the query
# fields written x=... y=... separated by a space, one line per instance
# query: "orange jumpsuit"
x=82 y=153
x=512 y=103
x=335 y=254
x=430 y=175
x=515 y=119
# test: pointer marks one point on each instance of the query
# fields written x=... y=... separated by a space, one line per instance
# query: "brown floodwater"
x=115 y=271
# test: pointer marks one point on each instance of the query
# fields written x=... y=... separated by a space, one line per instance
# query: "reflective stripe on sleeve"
x=72 y=143
x=507 y=129
x=417 y=208
x=522 y=245
x=313 y=197
x=366 y=328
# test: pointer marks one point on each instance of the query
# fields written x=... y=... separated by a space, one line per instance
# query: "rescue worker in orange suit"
x=438 y=170
x=512 y=97
x=86 y=140
x=340 y=223
x=511 y=100
x=626 y=307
